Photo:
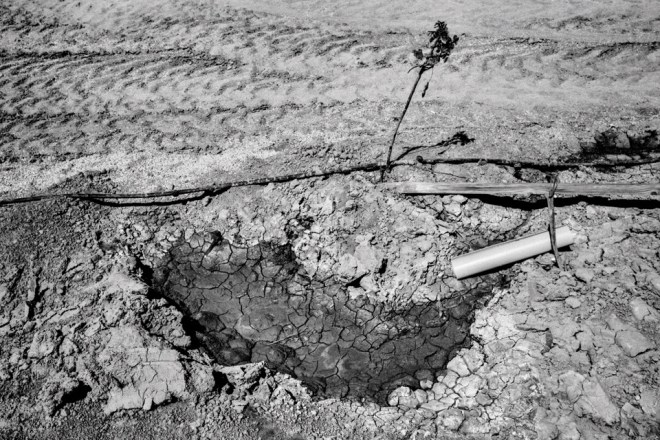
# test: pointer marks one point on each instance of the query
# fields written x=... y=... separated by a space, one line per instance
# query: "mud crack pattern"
x=255 y=303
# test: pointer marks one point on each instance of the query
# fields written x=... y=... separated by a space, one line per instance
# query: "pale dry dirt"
x=323 y=308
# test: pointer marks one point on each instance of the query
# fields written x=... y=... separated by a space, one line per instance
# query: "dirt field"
x=324 y=308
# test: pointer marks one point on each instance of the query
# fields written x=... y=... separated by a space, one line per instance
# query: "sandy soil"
x=133 y=320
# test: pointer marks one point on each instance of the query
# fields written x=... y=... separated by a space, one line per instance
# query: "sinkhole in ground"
x=255 y=303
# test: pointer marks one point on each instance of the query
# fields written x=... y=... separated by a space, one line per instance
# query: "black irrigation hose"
x=369 y=167
x=210 y=189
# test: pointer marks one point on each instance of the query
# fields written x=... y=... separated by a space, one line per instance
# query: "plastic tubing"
x=509 y=252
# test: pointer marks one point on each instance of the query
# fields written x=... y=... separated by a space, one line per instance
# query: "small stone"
x=348 y=269
x=585 y=275
x=596 y=403
x=153 y=372
x=449 y=379
x=3 y=292
x=573 y=302
x=475 y=425
x=421 y=397
x=633 y=342
x=571 y=383
x=642 y=311
x=369 y=284
x=328 y=207
x=453 y=419
x=454 y=209
x=546 y=430
x=654 y=279
x=388 y=414
x=422 y=375
x=568 y=429
x=20 y=314
x=591 y=212
x=468 y=386
x=438 y=405
x=483 y=399
x=561 y=292
x=473 y=359
x=195 y=425
x=398 y=395
x=650 y=403
x=368 y=257
x=439 y=390
x=426 y=384
x=622 y=141
x=44 y=343
x=408 y=403
x=32 y=289
x=459 y=366
x=614 y=323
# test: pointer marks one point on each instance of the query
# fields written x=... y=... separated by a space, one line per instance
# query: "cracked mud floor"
x=254 y=303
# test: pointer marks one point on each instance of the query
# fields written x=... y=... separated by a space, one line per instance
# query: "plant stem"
x=396 y=130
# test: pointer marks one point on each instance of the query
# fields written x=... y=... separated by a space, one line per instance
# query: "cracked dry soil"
x=255 y=303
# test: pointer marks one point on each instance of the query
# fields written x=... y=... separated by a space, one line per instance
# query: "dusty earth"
x=323 y=308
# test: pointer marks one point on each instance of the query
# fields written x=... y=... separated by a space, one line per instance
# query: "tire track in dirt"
x=235 y=77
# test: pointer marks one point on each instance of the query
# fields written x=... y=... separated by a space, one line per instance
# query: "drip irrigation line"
x=209 y=190
x=368 y=167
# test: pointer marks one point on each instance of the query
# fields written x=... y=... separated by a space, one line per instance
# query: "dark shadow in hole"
x=222 y=382
x=191 y=327
x=147 y=275
x=77 y=394
x=459 y=138
x=355 y=282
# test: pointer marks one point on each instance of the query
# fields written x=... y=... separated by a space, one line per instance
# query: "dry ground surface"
x=323 y=308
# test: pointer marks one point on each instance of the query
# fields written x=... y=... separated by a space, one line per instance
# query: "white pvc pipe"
x=510 y=252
